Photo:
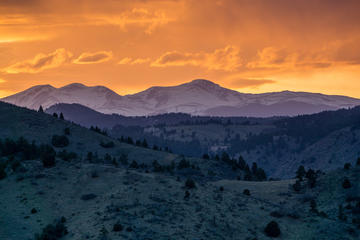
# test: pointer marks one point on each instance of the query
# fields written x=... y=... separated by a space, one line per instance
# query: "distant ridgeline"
x=270 y=142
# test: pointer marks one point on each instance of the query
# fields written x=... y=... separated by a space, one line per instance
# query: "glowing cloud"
x=131 y=61
x=280 y=58
x=226 y=59
x=41 y=62
x=136 y=17
x=96 y=57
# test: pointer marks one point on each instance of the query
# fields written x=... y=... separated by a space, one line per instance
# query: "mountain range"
x=198 y=97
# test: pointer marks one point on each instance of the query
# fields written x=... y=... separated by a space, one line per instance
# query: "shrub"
x=53 y=231
x=67 y=131
x=15 y=165
x=107 y=158
x=297 y=186
x=313 y=206
x=2 y=171
x=346 y=183
x=187 y=195
x=183 y=164
x=87 y=197
x=157 y=167
x=134 y=164
x=110 y=144
x=123 y=159
x=60 y=141
x=341 y=214
x=114 y=162
x=47 y=156
x=189 y=183
x=277 y=214
x=117 y=227
x=272 y=229
x=358 y=162
x=246 y=192
x=206 y=156
x=94 y=174
x=63 y=219
x=33 y=211
x=347 y=166
x=64 y=155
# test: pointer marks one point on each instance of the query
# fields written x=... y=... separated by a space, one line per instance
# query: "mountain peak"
x=202 y=82
x=45 y=86
x=74 y=86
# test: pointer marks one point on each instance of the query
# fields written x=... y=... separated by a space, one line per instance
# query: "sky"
x=129 y=45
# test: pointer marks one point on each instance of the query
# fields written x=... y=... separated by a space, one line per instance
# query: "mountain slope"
x=325 y=140
x=153 y=206
x=199 y=97
x=98 y=97
x=16 y=122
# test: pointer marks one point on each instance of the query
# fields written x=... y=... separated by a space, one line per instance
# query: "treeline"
x=155 y=166
x=14 y=152
x=143 y=143
x=254 y=173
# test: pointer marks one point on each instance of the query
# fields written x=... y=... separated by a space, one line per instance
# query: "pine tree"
x=248 y=175
x=313 y=206
x=300 y=173
x=41 y=110
x=341 y=214
x=346 y=183
x=311 y=176
x=61 y=116
x=241 y=163
x=297 y=186
x=145 y=144
x=206 y=156
x=254 y=168
x=134 y=164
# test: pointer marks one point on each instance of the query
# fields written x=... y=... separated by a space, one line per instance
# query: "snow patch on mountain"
x=198 y=97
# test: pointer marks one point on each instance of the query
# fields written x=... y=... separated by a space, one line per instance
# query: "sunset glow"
x=128 y=46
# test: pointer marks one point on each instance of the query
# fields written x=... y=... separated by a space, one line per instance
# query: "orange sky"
x=129 y=45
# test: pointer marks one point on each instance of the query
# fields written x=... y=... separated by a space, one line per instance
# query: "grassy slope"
x=16 y=122
x=154 y=206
